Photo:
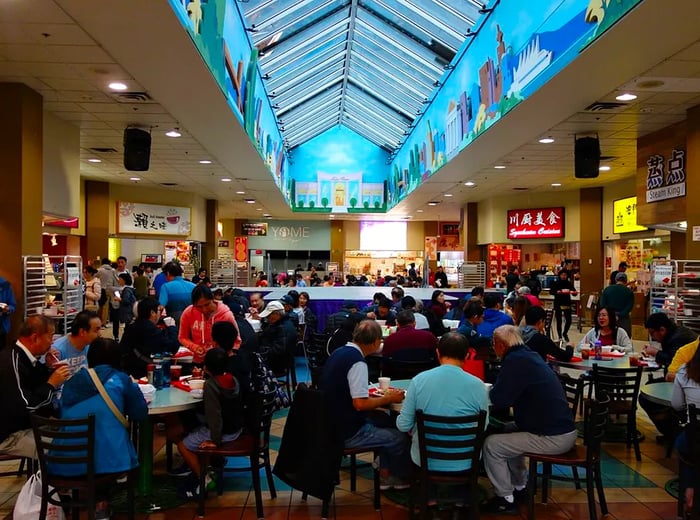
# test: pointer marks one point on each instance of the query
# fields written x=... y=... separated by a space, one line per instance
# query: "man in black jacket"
x=535 y=338
x=27 y=386
x=277 y=337
x=671 y=336
x=143 y=338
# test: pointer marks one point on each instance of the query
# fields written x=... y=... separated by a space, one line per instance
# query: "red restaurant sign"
x=535 y=223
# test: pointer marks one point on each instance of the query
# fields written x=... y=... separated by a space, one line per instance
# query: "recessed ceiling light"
x=205 y=161
x=419 y=211
x=256 y=209
x=604 y=168
x=226 y=179
x=95 y=160
x=118 y=85
x=432 y=203
x=546 y=140
x=626 y=97
x=240 y=193
x=556 y=184
x=266 y=215
x=173 y=133
x=448 y=194
x=500 y=167
x=134 y=179
x=469 y=183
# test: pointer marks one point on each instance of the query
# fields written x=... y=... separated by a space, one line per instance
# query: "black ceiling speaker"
x=586 y=157
x=137 y=149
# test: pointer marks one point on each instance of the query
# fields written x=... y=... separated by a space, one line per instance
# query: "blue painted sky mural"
x=518 y=48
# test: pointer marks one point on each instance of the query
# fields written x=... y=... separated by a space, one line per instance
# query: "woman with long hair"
x=686 y=390
x=520 y=307
x=438 y=304
x=607 y=331
x=93 y=288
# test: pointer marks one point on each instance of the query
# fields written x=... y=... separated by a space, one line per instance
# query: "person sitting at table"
x=335 y=320
x=114 y=451
x=257 y=304
x=343 y=334
x=473 y=315
x=671 y=336
x=446 y=390
x=534 y=336
x=397 y=294
x=542 y=419
x=249 y=338
x=73 y=347
x=683 y=355
x=197 y=320
x=606 y=331
x=518 y=310
x=493 y=317
x=290 y=301
x=277 y=338
x=385 y=312
x=409 y=303
x=144 y=338
x=239 y=361
x=527 y=293
x=409 y=343
x=223 y=414
x=344 y=382
x=438 y=305
x=686 y=390
x=309 y=317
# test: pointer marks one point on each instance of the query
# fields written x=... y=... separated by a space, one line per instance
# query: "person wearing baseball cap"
x=277 y=337
x=621 y=268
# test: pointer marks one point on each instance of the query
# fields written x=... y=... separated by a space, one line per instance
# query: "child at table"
x=223 y=416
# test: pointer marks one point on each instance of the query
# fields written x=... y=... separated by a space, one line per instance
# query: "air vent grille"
x=132 y=97
x=601 y=106
x=168 y=184
x=103 y=150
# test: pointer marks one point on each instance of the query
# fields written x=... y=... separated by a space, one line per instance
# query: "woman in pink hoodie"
x=198 y=319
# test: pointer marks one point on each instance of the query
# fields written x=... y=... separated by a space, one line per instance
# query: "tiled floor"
x=634 y=491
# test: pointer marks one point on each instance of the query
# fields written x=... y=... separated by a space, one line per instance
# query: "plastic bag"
x=28 y=503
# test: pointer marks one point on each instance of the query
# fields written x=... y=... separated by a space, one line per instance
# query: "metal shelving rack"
x=471 y=274
x=674 y=288
x=229 y=273
x=53 y=286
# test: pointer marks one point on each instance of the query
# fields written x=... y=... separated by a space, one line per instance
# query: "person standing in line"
x=563 y=289
x=621 y=268
x=619 y=298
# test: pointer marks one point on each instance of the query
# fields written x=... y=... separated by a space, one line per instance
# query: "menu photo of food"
x=177 y=250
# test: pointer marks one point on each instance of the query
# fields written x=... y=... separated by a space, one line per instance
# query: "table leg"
x=145 y=482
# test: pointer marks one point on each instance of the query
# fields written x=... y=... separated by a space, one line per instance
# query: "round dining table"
x=659 y=393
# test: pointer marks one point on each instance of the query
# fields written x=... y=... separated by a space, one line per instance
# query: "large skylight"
x=367 y=65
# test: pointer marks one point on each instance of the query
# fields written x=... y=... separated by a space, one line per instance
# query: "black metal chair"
x=402 y=367
x=26 y=466
x=581 y=456
x=69 y=442
x=441 y=438
x=691 y=459
x=316 y=355
x=253 y=443
x=621 y=385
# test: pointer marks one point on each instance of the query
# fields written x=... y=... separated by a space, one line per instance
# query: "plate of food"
x=378 y=392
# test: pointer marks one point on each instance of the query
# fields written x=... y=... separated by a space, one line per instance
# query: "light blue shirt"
x=445 y=390
x=76 y=358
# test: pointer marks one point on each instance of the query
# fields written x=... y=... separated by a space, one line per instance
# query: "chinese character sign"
x=665 y=179
x=150 y=219
x=535 y=223
x=625 y=216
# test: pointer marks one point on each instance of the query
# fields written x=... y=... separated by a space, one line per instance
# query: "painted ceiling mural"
x=518 y=49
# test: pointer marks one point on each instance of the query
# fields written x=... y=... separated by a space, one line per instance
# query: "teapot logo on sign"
x=663 y=185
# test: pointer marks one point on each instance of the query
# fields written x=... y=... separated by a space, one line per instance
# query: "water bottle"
x=158 y=372
x=598 y=350
x=166 y=371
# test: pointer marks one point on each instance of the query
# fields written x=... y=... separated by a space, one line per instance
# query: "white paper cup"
x=384 y=383
x=196 y=384
x=381 y=322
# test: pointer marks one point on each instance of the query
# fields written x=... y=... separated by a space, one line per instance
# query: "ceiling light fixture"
x=419 y=211
x=448 y=194
x=205 y=161
x=546 y=140
x=469 y=183
x=499 y=167
x=626 y=97
x=432 y=203
x=118 y=85
x=604 y=168
x=240 y=193
x=250 y=201
x=135 y=179
x=226 y=179
x=556 y=184
x=95 y=160
x=266 y=215
x=175 y=132
x=258 y=209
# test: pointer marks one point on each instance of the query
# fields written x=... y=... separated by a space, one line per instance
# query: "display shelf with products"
x=229 y=273
x=53 y=286
x=472 y=274
x=675 y=289
x=500 y=258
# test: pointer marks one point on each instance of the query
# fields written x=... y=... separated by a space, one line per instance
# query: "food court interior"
x=362 y=135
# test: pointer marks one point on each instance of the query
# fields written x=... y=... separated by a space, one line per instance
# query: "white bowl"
x=607 y=349
x=381 y=322
x=196 y=384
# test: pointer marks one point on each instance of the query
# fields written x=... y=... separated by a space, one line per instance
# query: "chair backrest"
x=548 y=315
x=457 y=438
x=64 y=442
x=573 y=390
x=693 y=433
x=595 y=419
x=316 y=356
x=259 y=416
x=619 y=384
x=398 y=368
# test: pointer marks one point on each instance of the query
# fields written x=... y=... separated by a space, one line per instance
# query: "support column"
x=338 y=242
x=21 y=164
x=211 y=246
x=591 y=204
x=97 y=208
x=470 y=232
x=692 y=181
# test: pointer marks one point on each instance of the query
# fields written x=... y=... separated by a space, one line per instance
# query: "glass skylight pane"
x=360 y=68
x=366 y=45
x=288 y=17
x=389 y=116
x=293 y=68
x=316 y=84
x=313 y=92
x=327 y=97
x=396 y=69
x=294 y=121
x=304 y=73
x=362 y=128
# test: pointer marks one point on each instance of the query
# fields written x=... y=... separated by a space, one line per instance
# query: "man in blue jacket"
x=542 y=419
x=494 y=317
x=7 y=307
